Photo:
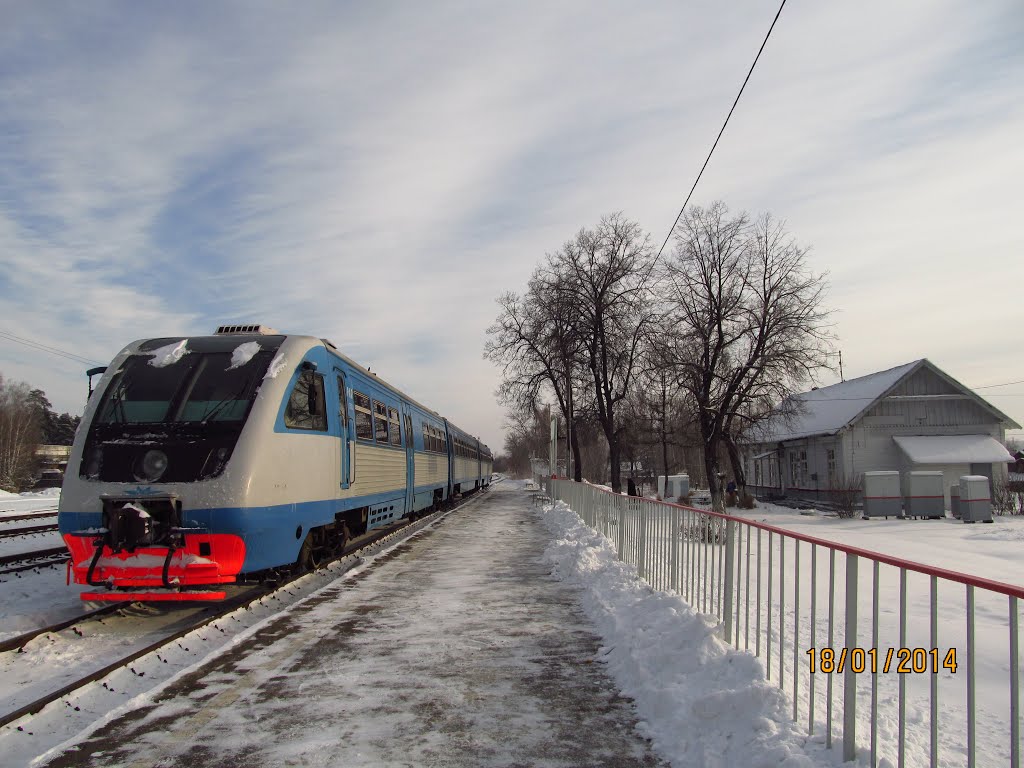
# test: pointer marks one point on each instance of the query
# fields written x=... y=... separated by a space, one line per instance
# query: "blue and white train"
x=206 y=458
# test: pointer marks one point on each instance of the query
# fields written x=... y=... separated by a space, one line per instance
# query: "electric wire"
x=45 y=348
x=720 y=132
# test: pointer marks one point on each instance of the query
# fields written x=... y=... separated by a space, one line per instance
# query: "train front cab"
x=153 y=450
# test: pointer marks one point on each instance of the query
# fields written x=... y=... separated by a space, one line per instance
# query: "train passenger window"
x=342 y=407
x=396 y=427
x=364 y=420
x=305 y=409
x=380 y=422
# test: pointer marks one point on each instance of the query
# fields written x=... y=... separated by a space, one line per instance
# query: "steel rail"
x=38 y=554
x=10 y=533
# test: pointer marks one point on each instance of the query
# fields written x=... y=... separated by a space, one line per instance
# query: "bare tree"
x=536 y=341
x=750 y=321
x=20 y=432
x=603 y=278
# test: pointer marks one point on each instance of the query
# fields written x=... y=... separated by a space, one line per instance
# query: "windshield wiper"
x=223 y=403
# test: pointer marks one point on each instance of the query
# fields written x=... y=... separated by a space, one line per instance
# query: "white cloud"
x=378 y=175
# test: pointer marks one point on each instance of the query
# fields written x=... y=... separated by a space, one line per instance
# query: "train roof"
x=259 y=332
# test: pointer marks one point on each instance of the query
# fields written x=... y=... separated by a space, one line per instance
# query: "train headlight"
x=152 y=466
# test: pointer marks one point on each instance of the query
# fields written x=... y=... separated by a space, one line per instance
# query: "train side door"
x=345 y=431
x=410 y=459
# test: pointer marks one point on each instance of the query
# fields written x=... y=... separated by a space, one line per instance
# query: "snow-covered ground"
x=36 y=598
x=989 y=550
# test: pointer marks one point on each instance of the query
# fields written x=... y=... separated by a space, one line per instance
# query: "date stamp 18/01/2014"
x=871 y=660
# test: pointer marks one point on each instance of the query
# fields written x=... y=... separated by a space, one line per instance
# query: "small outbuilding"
x=913 y=417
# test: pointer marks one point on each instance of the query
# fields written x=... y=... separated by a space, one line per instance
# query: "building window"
x=830 y=454
x=797 y=468
x=364 y=418
x=306 y=407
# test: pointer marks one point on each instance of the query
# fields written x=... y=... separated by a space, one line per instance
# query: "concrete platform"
x=455 y=649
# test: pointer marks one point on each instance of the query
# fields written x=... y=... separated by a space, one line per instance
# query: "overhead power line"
x=720 y=132
x=45 y=348
x=1007 y=384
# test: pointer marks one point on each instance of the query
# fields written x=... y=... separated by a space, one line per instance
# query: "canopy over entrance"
x=952 y=449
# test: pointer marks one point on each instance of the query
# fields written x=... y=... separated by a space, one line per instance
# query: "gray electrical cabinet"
x=677 y=485
x=975 y=499
x=925 y=496
x=882 y=497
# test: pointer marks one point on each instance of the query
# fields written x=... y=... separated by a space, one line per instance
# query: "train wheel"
x=308 y=559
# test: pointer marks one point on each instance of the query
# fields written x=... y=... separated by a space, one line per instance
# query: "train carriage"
x=201 y=459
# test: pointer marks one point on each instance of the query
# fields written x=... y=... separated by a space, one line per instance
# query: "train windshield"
x=175 y=384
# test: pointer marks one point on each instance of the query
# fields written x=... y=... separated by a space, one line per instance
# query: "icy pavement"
x=455 y=649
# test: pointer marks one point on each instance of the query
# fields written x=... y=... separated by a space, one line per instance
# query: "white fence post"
x=849 y=676
x=730 y=539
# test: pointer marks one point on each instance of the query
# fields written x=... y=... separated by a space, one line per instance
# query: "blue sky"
x=378 y=173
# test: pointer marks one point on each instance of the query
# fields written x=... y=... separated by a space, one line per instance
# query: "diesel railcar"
x=204 y=459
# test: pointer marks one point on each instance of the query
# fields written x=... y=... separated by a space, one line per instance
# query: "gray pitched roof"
x=827 y=410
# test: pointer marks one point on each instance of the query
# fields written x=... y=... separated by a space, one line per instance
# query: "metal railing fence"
x=852 y=635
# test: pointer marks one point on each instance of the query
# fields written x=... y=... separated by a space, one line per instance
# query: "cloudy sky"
x=377 y=173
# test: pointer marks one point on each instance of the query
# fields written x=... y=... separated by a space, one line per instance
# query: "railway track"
x=210 y=614
x=35 y=515
x=28 y=530
x=26 y=561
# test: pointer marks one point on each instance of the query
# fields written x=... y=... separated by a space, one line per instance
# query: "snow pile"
x=169 y=355
x=4 y=493
x=701 y=702
x=276 y=366
x=243 y=353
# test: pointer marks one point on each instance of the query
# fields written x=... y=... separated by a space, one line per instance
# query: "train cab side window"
x=380 y=422
x=396 y=427
x=364 y=418
x=306 y=407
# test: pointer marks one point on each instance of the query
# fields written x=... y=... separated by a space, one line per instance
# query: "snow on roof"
x=952 y=449
x=826 y=410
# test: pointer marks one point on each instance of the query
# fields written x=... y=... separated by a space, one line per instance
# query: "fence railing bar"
x=902 y=757
x=971 y=719
x=849 y=676
x=874 y=670
x=1014 y=686
x=814 y=633
x=738 y=584
x=796 y=630
x=768 y=609
x=934 y=591
x=746 y=620
x=831 y=640
x=782 y=611
x=728 y=585
x=757 y=603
